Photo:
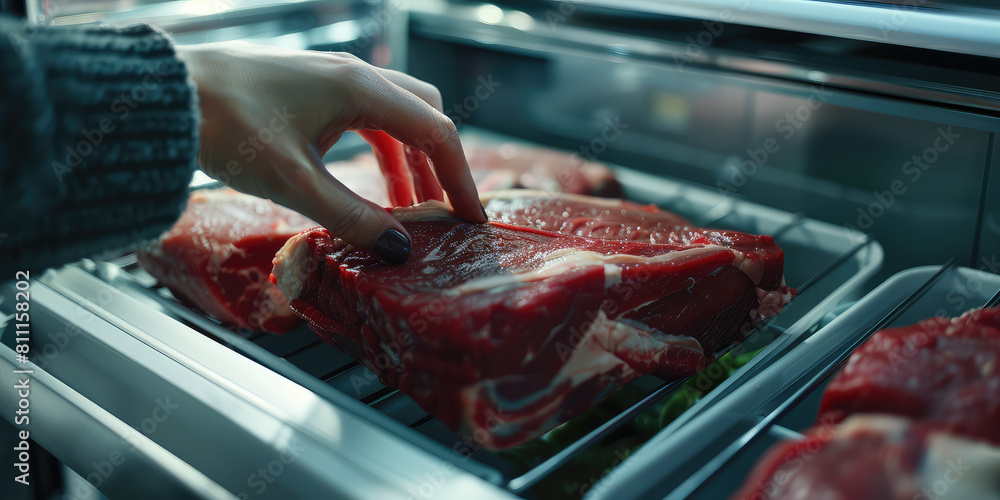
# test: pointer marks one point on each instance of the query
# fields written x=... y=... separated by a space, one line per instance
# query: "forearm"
x=99 y=139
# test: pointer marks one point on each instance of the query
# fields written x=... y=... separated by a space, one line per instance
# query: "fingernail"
x=392 y=246
x=487 y=217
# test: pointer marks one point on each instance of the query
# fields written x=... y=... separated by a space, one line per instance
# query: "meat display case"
x=776 y=406
x=699 y=92
x=238 y=400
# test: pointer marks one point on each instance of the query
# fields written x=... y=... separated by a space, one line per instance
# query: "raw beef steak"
x=509 y=165
x=757 y=256
x=504 y=331
x=494 y=167
x=217 y=258
x=940 y=370
x=876 y=457
x=196 y=258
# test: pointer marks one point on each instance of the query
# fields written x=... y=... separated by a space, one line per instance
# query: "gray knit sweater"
x=98 y=140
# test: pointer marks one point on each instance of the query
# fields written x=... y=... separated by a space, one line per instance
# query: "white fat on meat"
x=771 y=302
x=291 y=264
x=428 y=210
x=955 y=468
x=592 y=357
x=509 y=194
x=952 y=468
x=751 y=267
x=560 y=261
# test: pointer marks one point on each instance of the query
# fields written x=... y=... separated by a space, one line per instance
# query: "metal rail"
x=994 y=300
x=698 y=480
x=381 y=395
x=126 y=280
x=550 y=465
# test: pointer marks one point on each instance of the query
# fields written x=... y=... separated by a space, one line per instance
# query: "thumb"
x=346 y=215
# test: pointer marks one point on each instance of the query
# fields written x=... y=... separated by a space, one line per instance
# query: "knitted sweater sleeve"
x=98 y=141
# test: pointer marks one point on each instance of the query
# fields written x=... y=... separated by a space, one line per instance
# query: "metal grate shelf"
x=906 y=298
x=828 y=264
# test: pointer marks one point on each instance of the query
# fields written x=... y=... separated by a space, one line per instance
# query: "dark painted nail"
x=392 y=246
x=487 y=217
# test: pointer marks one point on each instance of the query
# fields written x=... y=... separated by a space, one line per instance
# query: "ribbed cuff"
x=104 y=125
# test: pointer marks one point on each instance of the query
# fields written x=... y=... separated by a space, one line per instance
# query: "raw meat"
x=504 y=331
x=196 y=258
x=876 y=457
x=508 y=165
x=406 y=170
x=757 y=256
x=940 y=370
x=494 y=167
x=217 y=258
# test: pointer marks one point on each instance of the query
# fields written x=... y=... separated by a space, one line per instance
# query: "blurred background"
x=844 y=95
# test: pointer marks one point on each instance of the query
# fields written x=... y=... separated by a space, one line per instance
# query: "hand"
x=269 y=114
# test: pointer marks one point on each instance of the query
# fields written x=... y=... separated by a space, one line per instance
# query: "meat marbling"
x=217 y=258
x=504 y=331
x=917 y=408
x=196 y=258
x=509 y=165
x=942 y=370
x=756 y=255
x=876 y=457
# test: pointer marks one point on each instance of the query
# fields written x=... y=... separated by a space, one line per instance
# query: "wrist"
x=191 y=56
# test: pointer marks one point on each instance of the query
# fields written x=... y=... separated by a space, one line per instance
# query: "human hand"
x=269 y=114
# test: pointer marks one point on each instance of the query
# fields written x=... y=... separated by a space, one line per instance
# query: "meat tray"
x=829 y=265
x=713 y=451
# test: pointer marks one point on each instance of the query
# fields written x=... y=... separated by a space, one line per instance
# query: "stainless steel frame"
x=121 y=346
x=137 y=344
x=904 y=23
x=785 y=394
x=222 y=417
x=696 y=110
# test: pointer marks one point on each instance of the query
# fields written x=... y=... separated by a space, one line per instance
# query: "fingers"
x=308 y=188
x=425 y=91
x=389 y=153
x=425 y=184
x=412 y=121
